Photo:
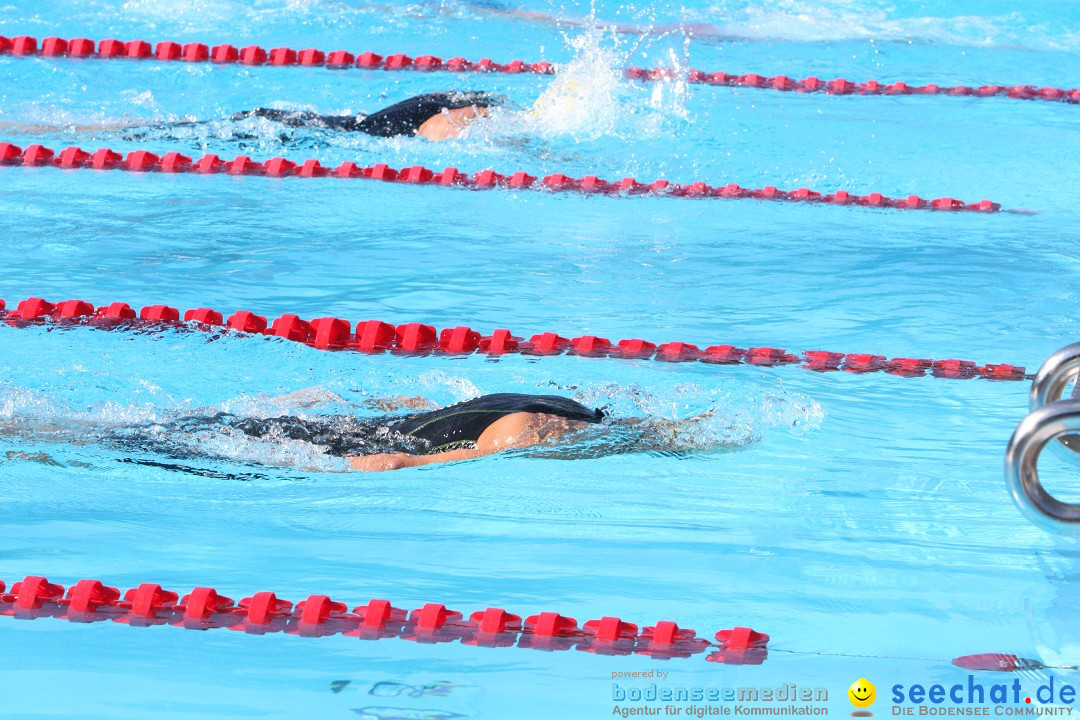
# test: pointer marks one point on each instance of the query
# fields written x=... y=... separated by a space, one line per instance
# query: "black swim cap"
x=406 y=117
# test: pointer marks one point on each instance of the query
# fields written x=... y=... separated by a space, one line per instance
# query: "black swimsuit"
x=462 y=425
x=306 y=119
x=456 y=426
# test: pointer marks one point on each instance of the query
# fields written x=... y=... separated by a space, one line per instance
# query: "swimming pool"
x=862 y=521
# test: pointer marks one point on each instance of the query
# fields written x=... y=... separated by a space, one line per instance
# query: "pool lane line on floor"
x=27 y=46
x=991 y=662
x=375 y=336
x=143 y=161
x=203 y=608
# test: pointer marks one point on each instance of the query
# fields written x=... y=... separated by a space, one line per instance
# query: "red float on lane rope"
x=174 y=162
x=375 y=336
x=264 y=612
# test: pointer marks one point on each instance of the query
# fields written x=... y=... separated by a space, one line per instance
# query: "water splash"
x=583 y=99
x=690 y=417
x=589 y=98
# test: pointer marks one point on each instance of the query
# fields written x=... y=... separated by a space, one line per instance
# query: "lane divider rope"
x=375 y=336
x=204 y=608
x=27 y=46
x=279 y=167
x=148 y=604
x=841 y=86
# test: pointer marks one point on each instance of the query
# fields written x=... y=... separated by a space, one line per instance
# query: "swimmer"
x=434 y=116
x=550 y=425
x=470 y=429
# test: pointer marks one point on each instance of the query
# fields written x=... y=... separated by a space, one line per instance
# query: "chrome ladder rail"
x=1050 y=382
x=1048 y=423
x=1051 y=418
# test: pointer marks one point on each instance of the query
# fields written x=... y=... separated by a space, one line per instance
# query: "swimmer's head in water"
x=407 y=116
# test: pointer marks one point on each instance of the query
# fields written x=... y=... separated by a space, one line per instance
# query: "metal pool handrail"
x=1050 y=382
x=1047 y=423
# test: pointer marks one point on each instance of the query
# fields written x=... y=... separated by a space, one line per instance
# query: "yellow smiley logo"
x=862 y=693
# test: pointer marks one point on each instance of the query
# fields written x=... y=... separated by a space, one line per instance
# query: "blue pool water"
x=860 y=520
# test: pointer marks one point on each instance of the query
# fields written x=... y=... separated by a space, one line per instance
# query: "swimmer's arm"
x=308 y=397
x=38 y=457
x=400 y=402
x=312 y=396
x=36 y=128
x=512 y=431
x=396 y=461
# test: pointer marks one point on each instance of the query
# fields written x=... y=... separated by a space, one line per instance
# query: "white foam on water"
x=709 y=418
x=837 y=20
